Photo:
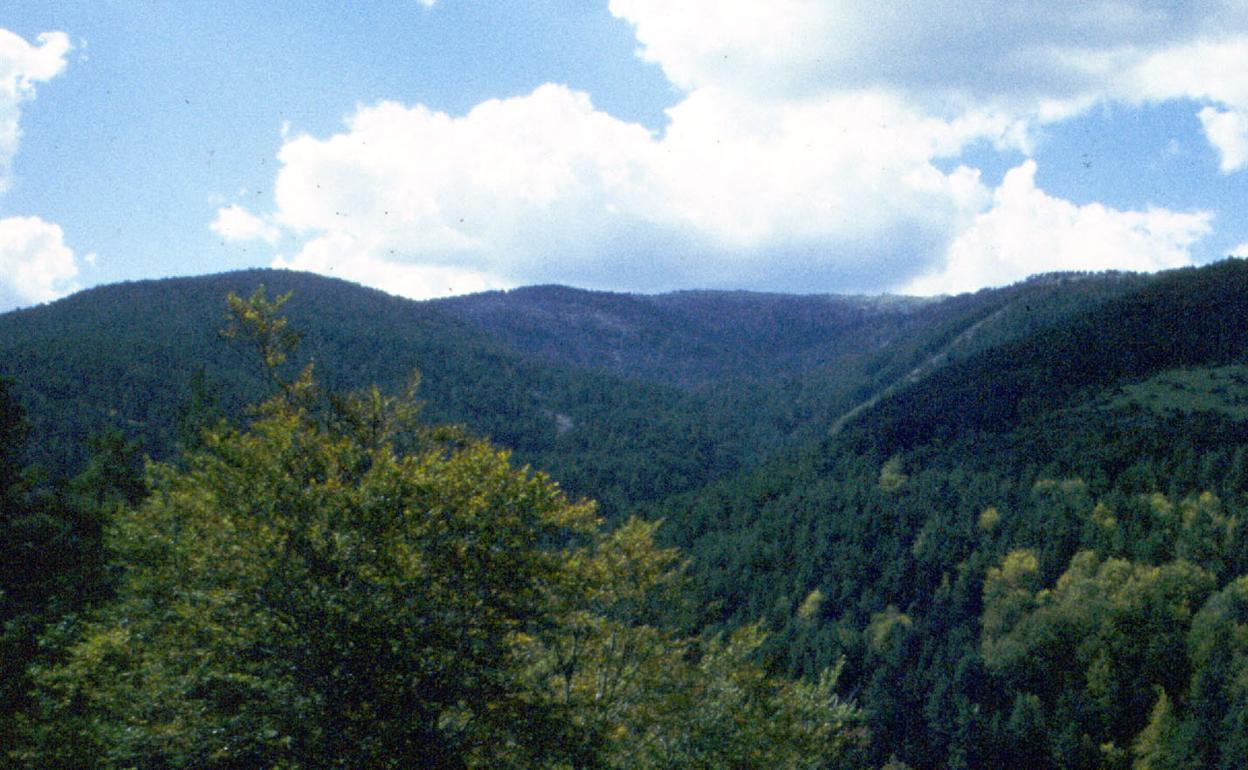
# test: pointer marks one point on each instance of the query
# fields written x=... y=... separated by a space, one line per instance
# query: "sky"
x=436 y=147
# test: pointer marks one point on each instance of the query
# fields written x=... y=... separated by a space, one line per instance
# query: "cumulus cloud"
x=1002 y=244
x=36 y=264
x=23 y=65
x=810 y=148
x=236 y=223
x=544 y=187
x=511 y=188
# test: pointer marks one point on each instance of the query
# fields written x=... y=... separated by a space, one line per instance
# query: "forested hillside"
x=1014 y=518
x=146 y=358
x=691 y=339
x=1026 y=556
x=625 y=398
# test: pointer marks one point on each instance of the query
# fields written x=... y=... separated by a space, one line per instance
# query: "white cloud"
x=1204 y=69
x=35 y=264
x=805 y=152
x=22 y=65
x=740 y=45
x=1027 y=63
x=514 y=187
x=1240 y=251
x=408 y=280
x=544 y=187
x=1027 y=231
x=236 y=223
x=981 y=50
x=1228 y=132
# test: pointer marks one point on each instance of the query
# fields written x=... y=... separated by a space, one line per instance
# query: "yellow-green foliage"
x=811 y=605
x=1206 y=531
x=1104 y=518
x=1108 y=627
x=1009 y=592
x=989 y=518
x=886 y=627
x=1063 y=486
x=1153 y=747
x=892 y=477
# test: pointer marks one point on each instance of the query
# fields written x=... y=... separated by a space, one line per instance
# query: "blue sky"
x=429 y=148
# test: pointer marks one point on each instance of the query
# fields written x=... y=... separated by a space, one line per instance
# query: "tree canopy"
x=335 y=584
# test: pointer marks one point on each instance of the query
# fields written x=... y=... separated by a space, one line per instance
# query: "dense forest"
x=1004 y=529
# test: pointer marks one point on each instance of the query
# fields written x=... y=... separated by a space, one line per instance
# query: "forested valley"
x=321 y=526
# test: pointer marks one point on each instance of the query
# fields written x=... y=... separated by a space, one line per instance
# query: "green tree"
x=1095 y=649
x=1216 y=707
x=301 y=592
x=52 y=561
x=303 y=596
x=1154 y=748
x=653 y=699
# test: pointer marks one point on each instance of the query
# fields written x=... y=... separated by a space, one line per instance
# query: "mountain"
x=627 y=398
x=790 y=367
x=692 y=339
x=699 y=339
x=1017 y=516
x=131 y=356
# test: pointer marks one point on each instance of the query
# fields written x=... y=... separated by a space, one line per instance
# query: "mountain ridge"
x=867 y=480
